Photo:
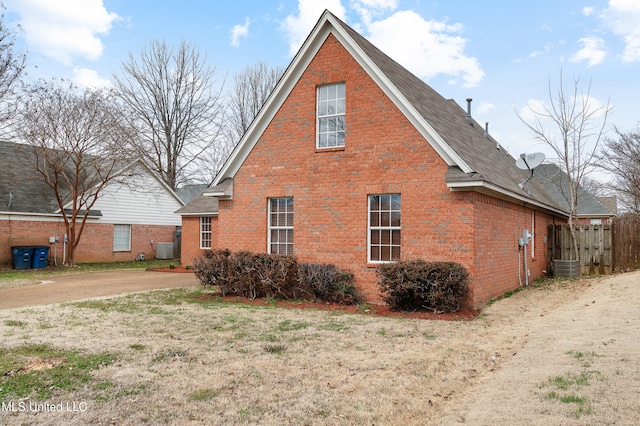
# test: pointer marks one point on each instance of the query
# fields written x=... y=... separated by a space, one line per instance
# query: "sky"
x=508 y=56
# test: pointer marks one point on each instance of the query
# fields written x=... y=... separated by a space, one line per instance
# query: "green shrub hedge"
x=415 y=285
x=255 y=275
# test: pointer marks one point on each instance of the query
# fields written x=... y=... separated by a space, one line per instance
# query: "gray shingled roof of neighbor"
x=21 y=186
x=191 y=191
x=199 y=206
x=557 y=183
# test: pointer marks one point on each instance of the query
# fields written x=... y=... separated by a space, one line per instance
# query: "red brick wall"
x=191 y=238
x=499 y=260
x=96 y=242
x=383 y=154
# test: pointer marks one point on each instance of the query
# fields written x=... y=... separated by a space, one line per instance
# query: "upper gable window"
x=330 y=112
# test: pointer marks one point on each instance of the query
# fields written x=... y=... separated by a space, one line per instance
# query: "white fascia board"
x=498 y=192
x=199 y=214
x=282 y=90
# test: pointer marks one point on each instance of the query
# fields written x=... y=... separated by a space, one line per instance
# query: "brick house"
x=125 y=221
x=354 y=161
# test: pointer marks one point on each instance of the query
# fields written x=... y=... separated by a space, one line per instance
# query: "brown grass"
x=207 y=362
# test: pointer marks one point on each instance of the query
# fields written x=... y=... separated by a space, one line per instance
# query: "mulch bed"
x=378 y=310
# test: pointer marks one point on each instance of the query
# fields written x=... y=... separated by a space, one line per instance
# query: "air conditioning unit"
x=164 y=250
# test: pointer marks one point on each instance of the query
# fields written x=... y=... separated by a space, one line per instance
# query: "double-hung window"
x=330 y=114
x=281 y=225
x=384 y=228
x=121 y=237
x=205 y=232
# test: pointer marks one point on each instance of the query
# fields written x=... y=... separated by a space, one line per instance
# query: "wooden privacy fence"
x=595 y=247
x=626 y=243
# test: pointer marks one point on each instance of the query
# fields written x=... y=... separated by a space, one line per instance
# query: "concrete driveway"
x=85 y=286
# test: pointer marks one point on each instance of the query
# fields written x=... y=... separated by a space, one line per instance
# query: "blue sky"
x=503 y=54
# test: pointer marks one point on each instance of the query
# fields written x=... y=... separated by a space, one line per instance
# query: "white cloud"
x=297 y=28
x=64 y=29
x=239 y=31
x=84 y=77
x=426 y=48
x=485 y=107
x=588 y=11
x=622 y=17
x=593 y=51
x=369 y=9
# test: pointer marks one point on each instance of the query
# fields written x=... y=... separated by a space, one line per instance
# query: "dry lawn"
x=564 y=353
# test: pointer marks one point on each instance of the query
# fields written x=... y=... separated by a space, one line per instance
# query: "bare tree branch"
x=78 y=142
x=573 y=127
x=175 y=106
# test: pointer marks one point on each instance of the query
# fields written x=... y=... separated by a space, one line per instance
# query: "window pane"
x=340 y=91
x=395 y=237
x=395 y=253
x=385 y=253
x=374 y=219
x=395 y=218
x=375 y=238
x=385 y=236
x=385 y=219
x=374 y=202
x=375 y=253
x=385 y=202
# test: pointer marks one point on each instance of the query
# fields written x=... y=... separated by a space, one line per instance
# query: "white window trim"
x=203 y=232
x=533 y=234
x=276 y=228
x=370 y=228
x=318 y=117
x=115 y=226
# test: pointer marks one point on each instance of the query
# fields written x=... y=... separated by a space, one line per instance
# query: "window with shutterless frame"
x=121 y=237
x=280 y=226
x=331 y=106
x=385 y=220
x=205 y=232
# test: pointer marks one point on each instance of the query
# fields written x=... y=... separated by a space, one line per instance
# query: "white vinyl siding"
x=280 y=226
x=384 y=228
x=121 y=237
x=331 y=106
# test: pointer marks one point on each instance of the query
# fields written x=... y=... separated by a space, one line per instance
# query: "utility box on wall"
x=164 y=251
x=566 y=268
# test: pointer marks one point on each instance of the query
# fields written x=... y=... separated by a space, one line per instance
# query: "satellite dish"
x=530 y=161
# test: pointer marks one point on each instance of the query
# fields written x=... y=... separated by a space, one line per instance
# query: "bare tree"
x=252 y=87
x=572 y=126
x=176 y=106
x=78 y=145
x=621 y=157
x=12 y=65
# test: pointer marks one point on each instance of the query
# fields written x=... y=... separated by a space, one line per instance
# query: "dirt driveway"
x=83 y=286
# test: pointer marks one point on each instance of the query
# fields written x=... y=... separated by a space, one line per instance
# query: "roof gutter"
x=484 y=187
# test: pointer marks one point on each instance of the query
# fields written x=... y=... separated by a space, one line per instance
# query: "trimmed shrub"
x=415 y=285
x=254 y=275
x=329 y=283
x=212 y=269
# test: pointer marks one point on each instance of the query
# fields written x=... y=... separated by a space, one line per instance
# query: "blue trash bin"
x=39 y=259
x=22 y=256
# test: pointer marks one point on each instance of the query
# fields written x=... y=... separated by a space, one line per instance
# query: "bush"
x=329 y=283
x=419 y=285
x=254 y=275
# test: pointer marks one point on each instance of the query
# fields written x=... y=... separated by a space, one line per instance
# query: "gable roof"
x=22 y=189
x=475 y=162
x=555 y=180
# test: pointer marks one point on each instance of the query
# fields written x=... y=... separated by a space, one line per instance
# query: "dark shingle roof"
x=21 y=187
x=557 y=183
x=200 y=205
x=490 y=162
x=189 y=192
